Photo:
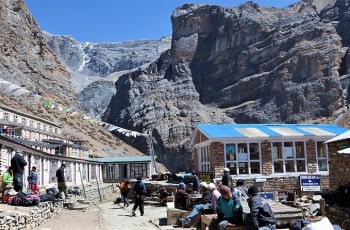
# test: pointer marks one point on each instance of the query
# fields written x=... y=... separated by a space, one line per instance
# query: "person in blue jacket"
x=139 y=193
x=33 y=181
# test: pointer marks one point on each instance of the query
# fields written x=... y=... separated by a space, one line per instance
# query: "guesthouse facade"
x=274 y=156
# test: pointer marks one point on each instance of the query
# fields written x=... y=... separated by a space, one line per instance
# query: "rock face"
x=246 y=64
x=25 y=59
x=102 y=59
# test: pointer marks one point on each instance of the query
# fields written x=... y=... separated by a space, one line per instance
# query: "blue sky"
x=117 y=20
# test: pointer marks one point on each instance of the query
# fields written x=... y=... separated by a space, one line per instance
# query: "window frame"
x=322 y=158
x=204 y=158
x=285 y=159
x=238 y=160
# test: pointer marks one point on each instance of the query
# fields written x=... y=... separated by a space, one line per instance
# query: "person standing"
x=241 y=190
x=61 y=181
x=125 y=191
x=195 y=182
x=181 y=197
x=17 y=164
x=262 y=217
x=139 y=193
x=33 y=181
x=227 y=178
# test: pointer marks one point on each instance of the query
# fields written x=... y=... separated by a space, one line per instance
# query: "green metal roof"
x=122 y=159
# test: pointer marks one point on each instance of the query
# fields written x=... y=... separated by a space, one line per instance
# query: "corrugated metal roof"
x=121 y=159
x=269 y=130
x=340 y=137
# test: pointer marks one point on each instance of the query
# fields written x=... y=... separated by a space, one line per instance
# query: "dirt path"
x=107 y=216
x=75 y=219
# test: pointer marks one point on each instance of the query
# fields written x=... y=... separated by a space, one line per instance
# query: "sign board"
x=310 y=183
x=260 y=179
x=267 y=195
x=206 y=176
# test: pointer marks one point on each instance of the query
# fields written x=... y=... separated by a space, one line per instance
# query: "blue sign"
x=310 y=183
x=267 y=195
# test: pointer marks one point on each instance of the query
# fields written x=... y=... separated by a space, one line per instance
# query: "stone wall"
x=339 y=164
x=339 y=216
x=106 y=191
x=34 y=216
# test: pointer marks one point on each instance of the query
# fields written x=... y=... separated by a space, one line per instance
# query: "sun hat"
x=211 y=187
x=204 y=184
x=226 y=170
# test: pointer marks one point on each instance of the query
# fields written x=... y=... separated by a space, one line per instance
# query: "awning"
x=345 y=151
x=340 y=137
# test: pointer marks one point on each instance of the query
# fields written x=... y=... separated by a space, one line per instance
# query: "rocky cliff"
x=25 y=58
x=30 y=73
x=245 y=64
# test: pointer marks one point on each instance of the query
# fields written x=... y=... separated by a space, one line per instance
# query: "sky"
x=117 y=20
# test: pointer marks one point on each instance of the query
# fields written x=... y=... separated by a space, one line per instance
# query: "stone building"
x=273 y=156
x=117 y=168
x=339 y=160
x=42 y=145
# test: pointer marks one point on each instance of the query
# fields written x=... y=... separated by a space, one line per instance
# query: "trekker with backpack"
x=139 y=193
x=124 y=191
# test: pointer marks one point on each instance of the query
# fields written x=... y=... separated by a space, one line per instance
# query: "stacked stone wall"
x=339 y=164
x=29 y=220
x=339 y=216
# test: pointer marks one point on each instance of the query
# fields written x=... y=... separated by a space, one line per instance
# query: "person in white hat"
x=205 y=203
x=214 y=197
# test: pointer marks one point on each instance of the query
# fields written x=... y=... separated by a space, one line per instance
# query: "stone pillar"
x=217 y=157
x=266 y=158
x=311 y=156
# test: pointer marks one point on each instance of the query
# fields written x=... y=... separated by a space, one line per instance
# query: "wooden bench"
x=207 y=219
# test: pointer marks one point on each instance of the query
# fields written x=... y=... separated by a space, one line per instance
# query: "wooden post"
x=323 y=206
x=81 y=178
x=98 y=189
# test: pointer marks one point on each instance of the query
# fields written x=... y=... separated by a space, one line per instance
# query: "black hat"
x=240 y=182
x=253 y=190
x=139 y=178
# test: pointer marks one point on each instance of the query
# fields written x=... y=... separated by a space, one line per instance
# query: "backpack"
x=140 y=188
x=52 y=191
x=22 y=199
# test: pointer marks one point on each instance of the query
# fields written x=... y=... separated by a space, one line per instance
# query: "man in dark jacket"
x=139 y=193
x=61 y=181
x=227 y=178
x=181 y=197
x=261 y=214
x=195 y=182
x=205 y=203
x=17 y=164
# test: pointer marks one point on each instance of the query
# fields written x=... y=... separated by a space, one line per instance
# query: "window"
x=204 y=159
x=45 y=128
x=243 y=158
x=322 y=156
x=38 y=125
x=31 y=123
x=110 y=171
x=24 y=122
x=6 y=116
x=288 y=157
x=138 y=169
x=15 y=118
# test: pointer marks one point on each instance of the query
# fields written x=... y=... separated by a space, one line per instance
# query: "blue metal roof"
x=121 y=159
x=269 y=130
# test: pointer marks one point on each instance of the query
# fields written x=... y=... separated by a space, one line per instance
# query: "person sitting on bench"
x=205 y=203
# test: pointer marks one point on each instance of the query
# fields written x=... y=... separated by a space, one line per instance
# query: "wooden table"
x=284 y=214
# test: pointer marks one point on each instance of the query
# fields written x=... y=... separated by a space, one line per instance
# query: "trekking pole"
x=81 y=178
